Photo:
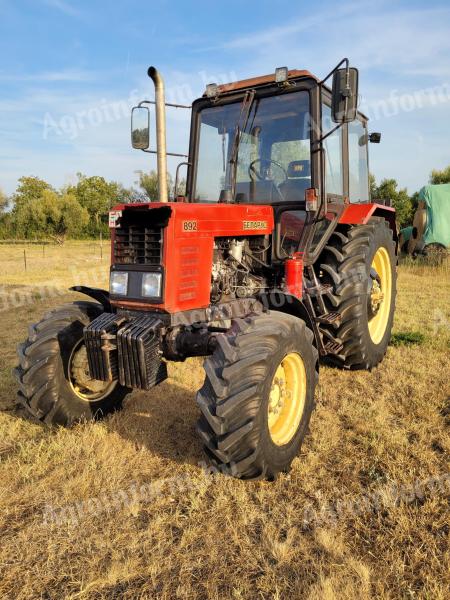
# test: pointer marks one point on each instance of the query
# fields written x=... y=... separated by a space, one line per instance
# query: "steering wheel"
x=263 y=174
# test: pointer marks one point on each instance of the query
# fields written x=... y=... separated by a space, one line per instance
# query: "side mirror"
x=375 y=137
x=140 y=127
x=344 y=95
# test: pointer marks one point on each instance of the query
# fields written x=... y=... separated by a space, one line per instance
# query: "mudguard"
x=98 y=294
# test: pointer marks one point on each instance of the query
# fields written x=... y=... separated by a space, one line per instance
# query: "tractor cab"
x=285 y=140
x=274 y=132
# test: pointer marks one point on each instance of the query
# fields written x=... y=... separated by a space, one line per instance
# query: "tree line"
x=80 y=210
x=37 y=210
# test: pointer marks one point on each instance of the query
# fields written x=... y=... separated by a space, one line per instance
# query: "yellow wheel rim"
x=80 y=380
x=287 y=399
x=380 y=295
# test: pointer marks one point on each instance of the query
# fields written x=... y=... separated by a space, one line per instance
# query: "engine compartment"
x=239 y=268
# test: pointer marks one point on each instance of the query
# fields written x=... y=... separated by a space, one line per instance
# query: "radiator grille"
x=138 y=245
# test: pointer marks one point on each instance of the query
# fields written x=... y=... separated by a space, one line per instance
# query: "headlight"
x=118 y=283
x=151 y=285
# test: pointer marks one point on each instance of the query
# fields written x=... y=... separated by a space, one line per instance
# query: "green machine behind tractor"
x=429 y=234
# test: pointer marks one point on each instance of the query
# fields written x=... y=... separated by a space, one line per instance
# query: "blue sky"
x=69 y=71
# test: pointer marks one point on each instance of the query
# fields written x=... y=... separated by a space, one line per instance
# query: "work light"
x=212 y=90
x=151 y=285
x=119 y=283
x=281 y=74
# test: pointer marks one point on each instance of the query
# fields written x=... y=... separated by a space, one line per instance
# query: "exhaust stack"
x=161 y=153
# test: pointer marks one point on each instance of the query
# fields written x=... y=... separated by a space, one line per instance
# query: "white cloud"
x=65 y=75
x=373 y=35
x=277 y=35
x=63 y=7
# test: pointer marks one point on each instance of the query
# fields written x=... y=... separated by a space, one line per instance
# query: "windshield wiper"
x=244 y=114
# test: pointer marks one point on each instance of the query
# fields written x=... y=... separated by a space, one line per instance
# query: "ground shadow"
x=161 y=420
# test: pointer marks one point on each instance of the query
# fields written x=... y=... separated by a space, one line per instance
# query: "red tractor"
x=273 y=258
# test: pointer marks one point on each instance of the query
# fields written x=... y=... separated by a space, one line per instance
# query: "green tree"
x=50 y=215
x=372 y=185
x=73 y=217
x=29 y=188
x=96 y=195
x=148 y=182
x=387 y=190
x=3 y=202
x=127 y=195
x=35 y=216
x=440 y=176
x=5 y=217
x=181 y=191
x=415 y=201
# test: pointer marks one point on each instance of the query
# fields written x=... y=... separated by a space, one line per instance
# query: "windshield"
x=273 y=161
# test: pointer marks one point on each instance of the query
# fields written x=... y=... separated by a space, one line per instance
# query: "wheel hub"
x=287 y=399
x=81 y=382
x=376 y=296
x=379 y=299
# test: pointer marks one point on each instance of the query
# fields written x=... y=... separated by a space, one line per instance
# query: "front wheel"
x=53 y=374
x=258 y=395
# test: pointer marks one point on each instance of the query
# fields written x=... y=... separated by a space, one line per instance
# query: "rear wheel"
x=435 y=254
x=359 y=262
x=258 y=395
x=55 y=385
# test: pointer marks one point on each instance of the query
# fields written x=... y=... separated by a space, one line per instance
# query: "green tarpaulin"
x=406 y=233
x=437 y=199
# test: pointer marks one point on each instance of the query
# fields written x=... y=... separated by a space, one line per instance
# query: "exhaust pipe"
x=161 y=153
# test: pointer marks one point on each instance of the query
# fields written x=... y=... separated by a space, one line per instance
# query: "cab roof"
x=252 y=82
x=261 y=80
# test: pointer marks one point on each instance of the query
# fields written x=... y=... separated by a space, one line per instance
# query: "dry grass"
x=206 y=536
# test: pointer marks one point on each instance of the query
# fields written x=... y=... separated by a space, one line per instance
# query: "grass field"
x=124 y=508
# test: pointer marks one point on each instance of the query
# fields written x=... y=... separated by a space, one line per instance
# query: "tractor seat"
x=298 y=180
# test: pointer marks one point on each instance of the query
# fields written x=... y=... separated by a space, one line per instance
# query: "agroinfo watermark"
x=110 y=111
x=316 y=515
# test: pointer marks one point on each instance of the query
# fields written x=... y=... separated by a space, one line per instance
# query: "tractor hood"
x=176 y=242
x=203 y=219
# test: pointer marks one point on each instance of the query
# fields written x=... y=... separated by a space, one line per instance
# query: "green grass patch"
x=407 y=338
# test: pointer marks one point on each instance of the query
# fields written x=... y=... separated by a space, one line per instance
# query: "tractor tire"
x=54 y=382
x=359 y=262
x=258 y=395
x=435 y=254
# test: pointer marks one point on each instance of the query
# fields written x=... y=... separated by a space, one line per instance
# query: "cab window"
x=273 y=160
x=358 y=163
x=334 y=180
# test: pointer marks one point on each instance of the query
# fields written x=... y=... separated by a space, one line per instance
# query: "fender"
x=291 y=305
x=359 y=214
x=101 y=296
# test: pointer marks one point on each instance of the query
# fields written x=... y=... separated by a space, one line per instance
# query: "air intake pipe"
x=161 y=153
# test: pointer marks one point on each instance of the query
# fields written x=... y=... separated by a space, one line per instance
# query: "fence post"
x=25 y=258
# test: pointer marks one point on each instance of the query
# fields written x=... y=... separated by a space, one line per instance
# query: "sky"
x=70 y=71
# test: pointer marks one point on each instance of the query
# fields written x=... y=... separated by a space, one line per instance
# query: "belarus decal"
x=114 y=216
x=190 y=225
x=254 y=224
